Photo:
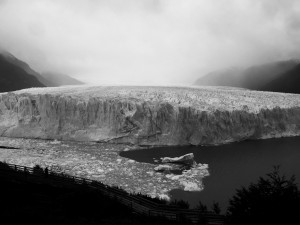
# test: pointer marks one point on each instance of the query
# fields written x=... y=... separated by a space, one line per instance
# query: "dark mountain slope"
x=14 y=78
x=289 y=82
x=227 y=77
x=47 y=79
x=18 y=63
x=255 y=77
x=58 y=79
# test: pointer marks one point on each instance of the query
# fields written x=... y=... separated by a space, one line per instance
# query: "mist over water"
x=154 y=42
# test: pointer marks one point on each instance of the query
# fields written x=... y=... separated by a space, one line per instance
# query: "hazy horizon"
x=148 y=42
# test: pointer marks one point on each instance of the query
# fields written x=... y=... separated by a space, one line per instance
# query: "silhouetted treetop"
x=272 y=200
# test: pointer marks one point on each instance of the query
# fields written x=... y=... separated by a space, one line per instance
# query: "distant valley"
x=16 y=74
x=279 y=76
x=13 y=77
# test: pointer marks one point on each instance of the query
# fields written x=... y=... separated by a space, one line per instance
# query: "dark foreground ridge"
x=40 y=196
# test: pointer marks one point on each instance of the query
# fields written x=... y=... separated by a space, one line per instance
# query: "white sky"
x=153 y=42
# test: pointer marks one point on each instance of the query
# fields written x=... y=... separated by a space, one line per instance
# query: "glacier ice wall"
x=148 y=116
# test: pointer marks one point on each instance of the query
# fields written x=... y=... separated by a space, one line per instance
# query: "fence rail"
x=138 y=204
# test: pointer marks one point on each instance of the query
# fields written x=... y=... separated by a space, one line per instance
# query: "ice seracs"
x=148 y=115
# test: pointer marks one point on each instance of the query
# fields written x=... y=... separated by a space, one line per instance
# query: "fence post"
x=46 y=171
x=25 y=172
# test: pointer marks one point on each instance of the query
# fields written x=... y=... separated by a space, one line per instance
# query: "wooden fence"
x=138 y=204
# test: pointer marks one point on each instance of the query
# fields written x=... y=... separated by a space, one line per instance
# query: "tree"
x=201 y=207
x=180 y=203
x=272 y=200
x=216 y=208
x=37 y=170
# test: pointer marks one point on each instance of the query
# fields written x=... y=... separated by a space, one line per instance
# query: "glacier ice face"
x=149 y=115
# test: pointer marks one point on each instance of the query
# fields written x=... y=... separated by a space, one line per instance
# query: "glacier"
x=152 y=116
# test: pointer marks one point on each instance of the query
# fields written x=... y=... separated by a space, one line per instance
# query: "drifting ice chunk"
x=163 y=168
x=190 y=186
x=185 y=159
x=131 y=161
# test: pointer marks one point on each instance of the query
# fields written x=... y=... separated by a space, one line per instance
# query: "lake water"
x=231 y=166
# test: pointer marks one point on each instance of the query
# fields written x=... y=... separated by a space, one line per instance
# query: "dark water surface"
x=231 y=166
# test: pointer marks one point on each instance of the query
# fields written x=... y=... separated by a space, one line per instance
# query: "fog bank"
x=155 y=42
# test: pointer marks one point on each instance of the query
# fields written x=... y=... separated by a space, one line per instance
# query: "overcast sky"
x=148 y=41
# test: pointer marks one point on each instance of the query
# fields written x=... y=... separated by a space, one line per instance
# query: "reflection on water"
x=231 y=166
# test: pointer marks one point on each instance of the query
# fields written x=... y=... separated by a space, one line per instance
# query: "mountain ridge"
x=13 y=78
x=255 y=77
x=289 y=82
x=8 y=79
x=58 y=79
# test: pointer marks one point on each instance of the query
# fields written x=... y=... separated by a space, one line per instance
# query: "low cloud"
x=148 y=41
